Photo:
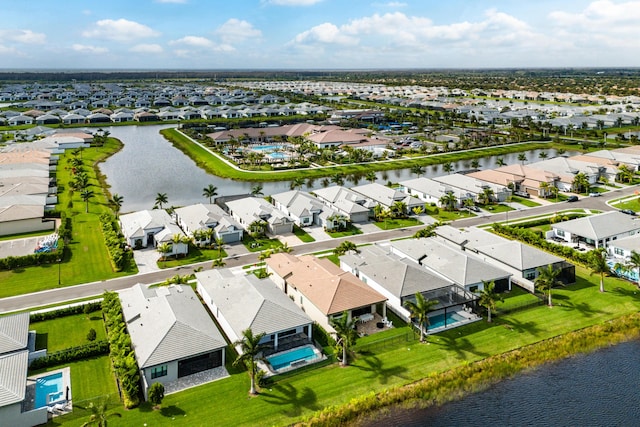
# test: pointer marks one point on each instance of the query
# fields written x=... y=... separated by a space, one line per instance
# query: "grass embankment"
x=383 y=370
x=87 y=259
x=215 y=165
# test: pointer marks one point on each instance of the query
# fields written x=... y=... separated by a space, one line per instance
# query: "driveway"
x=146 y=260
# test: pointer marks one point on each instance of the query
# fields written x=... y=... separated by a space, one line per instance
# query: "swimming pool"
x=49 y=389
x=268 y=147
x=438 y=321
x=631 y=274
x=291 y=358
x=277 y=156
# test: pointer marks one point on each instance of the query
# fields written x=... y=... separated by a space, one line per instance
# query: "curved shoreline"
x=442 y=387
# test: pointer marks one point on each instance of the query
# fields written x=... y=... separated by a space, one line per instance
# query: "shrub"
x=91 y=335
x=115 y=242
x=93 y=349
x=67 y=311
x=156 y=394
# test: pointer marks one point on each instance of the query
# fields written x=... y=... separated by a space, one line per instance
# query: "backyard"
x=288 y=400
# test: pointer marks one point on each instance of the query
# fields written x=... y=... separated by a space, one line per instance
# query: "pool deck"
x=60 y=407
x=195 y=380
x=266 y=367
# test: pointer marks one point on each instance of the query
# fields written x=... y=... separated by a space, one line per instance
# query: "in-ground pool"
x=277 y=156
x=438 y=321
x=630 y=274
x=268 y=147
x=49 y=389
x=292 y=358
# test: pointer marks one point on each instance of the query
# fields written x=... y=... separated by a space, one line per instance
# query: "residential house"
x=16 y=409
x=202 y=217
x=388 y=197
x=307 y=210
x=520 y=178
x=461 y=267
x=596 y=230
x=152 y=228
x=399 y=279
x=322 y=289
x=171 y=333
x=240 y=302
x=248 y=210
x=354 y=206
x=432 y=192
x=474 y=187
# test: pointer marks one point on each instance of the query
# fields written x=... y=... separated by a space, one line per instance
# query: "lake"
x=596 y=389
x=148 y=164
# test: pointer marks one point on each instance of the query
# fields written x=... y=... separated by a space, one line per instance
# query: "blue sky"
x=318 y=34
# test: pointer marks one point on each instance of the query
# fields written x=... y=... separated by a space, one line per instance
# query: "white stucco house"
x=203 y=217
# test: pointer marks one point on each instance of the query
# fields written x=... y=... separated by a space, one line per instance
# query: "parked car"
x=628 y=211
x=572 y=199
x=474 y=208
x=522 y=194
x=594 y=194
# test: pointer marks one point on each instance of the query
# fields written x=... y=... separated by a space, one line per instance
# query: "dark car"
x=628 y=211
x=572 y=199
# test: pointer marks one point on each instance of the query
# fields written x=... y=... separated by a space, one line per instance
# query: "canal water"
x=596 y=389
x=148 y=164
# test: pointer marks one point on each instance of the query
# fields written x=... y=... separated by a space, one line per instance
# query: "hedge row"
x=93 y=349
x=115 y=242
x=67 y=311
x=121 y=351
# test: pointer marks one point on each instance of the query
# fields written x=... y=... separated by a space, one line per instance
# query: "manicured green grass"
x=302 y=235
x=25 y=235
x=195 y=255
x=445 y=215
x=351 y=230
x=526 y=202
x=257 y=244
x=68 y=331
x=497 y=208
x=628 y=203
x=390 y=224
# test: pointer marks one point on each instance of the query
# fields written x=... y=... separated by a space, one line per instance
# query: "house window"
x=159 y=371
x=560 y=233
x=530 y=275
x=618 y=251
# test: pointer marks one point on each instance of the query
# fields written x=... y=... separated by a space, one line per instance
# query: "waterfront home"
x=323 y=290
x=567 y=169
x=525 y=179
x=240 y=302
x=463 y=268
x=152 y=228
x=596 y=230
x=430 y=191
x=248 y=210
x=629 y=156
x=388 y=197
x=474 y=186
x=307 y=210
x=399 y=279
x=354 y=206
x=202 y=217
x=17 y=399
x=171 y=334
x=522 y=260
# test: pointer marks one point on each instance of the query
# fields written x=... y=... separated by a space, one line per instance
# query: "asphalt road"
x=60 y=295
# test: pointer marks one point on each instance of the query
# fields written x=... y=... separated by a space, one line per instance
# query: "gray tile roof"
x=631 y=243
x=167 y=323
x=14 y=332
x=248 y=302
x=13 y=377
x=600 y=226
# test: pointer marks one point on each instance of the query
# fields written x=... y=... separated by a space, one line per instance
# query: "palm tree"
x=543 y=155
x=344 y=247
x=581 y=183
x=116 y=201
x=250 y=349
x=257 y=228
x=487 y=195
x=210 y=192
x=544 y=189
x=297 y=183
x=346 y=333
x=447 y=167
x=371 y=176
x=522 y=158
x=164 y=249
x=547 y=279
x=448 y=201
x=256 y=190
x=475 y=164
x=417 y=170
x=377 y=212
x=634 y=263
x=598 y=264
x=219 y=245
x=398 y=209
x=419 y=310
x=161 y=199
x=86 y=195
x=625 y=174
x=489 y=297
x=338 y=179
x=500 y=161
x=99 y=414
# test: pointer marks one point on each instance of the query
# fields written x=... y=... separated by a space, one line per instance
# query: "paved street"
x=236 y=258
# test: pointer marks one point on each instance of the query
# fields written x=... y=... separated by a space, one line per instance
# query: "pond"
x=148 y=164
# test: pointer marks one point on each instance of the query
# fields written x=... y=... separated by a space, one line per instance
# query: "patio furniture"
x=366 y=317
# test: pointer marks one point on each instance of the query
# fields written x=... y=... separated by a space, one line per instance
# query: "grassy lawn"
x=25 y=235
x=632 y=203
x=351 y=230
x=497 y=208
x=87 y=259
x=390 y=224
x=67 y=331
x=195 y=254
x=257 y=244
x=445 y=215
x=293 y=397
x=302 y=235
x=526 y=202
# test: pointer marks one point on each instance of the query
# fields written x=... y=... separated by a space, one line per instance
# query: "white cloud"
x=121 y=30
x=23 y=36
x=146 y=48
x=326 y=33
x=83 y=48
x=235 y=30
x=200 y=43
x=292 y=2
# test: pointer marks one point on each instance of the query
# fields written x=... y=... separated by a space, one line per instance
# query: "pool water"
x=50 y=386
x=284 y=360
x=438 y=321
x=631 y=274
x=267 y=147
